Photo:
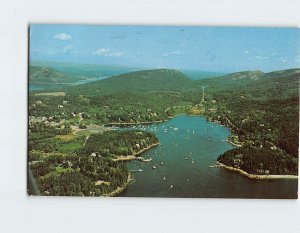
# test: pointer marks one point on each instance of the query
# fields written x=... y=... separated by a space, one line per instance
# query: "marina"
x=185 y=168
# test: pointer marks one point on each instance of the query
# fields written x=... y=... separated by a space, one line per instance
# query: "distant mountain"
x=254 y=75
x=146 y=80
x=86 y=70
x=40 y=74
x=267 y=83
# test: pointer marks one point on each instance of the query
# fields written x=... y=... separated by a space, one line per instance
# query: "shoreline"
x=254 y=176
x=240 y=144
x=120 y=189
x=146 y=122
x=133 y=123
x=134 y=156
x=232 y=143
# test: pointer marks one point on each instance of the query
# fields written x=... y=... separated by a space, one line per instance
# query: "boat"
x=162 y=163
x=186 y=158
x=138 y=170
x=154 y=167
x=193 y=161
x=164 y=178
x=171 y=186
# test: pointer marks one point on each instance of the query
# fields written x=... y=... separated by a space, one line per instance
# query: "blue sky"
x=220 y=49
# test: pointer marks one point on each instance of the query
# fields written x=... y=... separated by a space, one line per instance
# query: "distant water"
x=61 y=86
x=202 y=142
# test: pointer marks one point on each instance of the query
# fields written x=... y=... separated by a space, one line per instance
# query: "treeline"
x=260 y=161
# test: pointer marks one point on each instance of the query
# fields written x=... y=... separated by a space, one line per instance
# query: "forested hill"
x=146 y=80
x=250 y=78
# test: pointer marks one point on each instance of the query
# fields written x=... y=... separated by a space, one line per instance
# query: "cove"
x=188 y=146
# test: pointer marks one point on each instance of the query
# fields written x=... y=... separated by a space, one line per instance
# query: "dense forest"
x=261 y=109
x=72 y=175
x=114 y=143
x=260 y=161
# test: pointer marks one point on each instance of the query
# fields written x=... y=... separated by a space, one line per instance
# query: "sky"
x=217 y=49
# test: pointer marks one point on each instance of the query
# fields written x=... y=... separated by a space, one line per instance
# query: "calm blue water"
x=202 y=142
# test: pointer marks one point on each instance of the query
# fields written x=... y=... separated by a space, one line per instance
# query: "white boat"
x=154 y=167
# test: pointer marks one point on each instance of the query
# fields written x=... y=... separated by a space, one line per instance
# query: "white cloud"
x=261 y=57
x=297 y=59
x=283 y=59
x=246 y=52
x=174 y=53
x=68 y=48
x=102 y=51
x=63 y=36
x=107 y=53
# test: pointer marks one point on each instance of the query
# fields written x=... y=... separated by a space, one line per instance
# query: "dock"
x=143 y=159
